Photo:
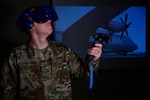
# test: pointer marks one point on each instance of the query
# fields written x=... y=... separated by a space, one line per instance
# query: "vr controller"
x=99 y=38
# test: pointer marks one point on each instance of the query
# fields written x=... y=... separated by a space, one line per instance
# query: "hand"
x=96 y=51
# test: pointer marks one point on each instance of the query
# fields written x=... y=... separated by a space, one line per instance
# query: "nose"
x=49 y=21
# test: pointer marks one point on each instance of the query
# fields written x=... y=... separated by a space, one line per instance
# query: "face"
x=43 y=29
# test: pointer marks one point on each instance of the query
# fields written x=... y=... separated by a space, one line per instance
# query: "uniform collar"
x=32 y=51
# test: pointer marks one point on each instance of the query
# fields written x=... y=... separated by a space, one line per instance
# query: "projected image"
x=125 y=28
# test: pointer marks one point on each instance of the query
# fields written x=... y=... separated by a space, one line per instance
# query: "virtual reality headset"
x=37 y=14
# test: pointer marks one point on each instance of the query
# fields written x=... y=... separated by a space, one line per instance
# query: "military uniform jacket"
x=29 y=74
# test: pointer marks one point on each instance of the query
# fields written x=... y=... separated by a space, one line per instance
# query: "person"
x=42 y=69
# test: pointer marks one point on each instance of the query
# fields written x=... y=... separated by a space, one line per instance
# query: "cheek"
x=48 y=29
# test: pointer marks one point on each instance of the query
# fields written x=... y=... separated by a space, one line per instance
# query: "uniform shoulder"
x=18 y=48
x=59 y=45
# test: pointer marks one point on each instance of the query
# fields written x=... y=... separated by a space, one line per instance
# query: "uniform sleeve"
x=79 y=68
x=8 y=81
x=96 y=65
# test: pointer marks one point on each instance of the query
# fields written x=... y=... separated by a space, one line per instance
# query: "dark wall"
x=100 y=2
x=115 y=85
x=10 y=35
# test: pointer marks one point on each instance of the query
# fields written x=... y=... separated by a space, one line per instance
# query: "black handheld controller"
x=99 y=38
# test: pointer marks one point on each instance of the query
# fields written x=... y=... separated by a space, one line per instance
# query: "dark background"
x=123 y=79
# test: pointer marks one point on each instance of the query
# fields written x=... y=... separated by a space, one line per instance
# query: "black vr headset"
x=39 y=14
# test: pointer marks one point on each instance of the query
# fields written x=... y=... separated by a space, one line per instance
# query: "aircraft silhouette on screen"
x=78 y=35
x=120 y=44
x=116 y=26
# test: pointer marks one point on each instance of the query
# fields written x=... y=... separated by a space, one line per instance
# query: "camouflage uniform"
x=42 y=76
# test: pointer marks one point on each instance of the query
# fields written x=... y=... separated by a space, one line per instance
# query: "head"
x=38 y=14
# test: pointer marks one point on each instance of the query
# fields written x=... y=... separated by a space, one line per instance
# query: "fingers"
x=98 y=45
x=96 y=51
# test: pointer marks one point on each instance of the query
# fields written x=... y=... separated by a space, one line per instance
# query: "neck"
x=39 y=44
